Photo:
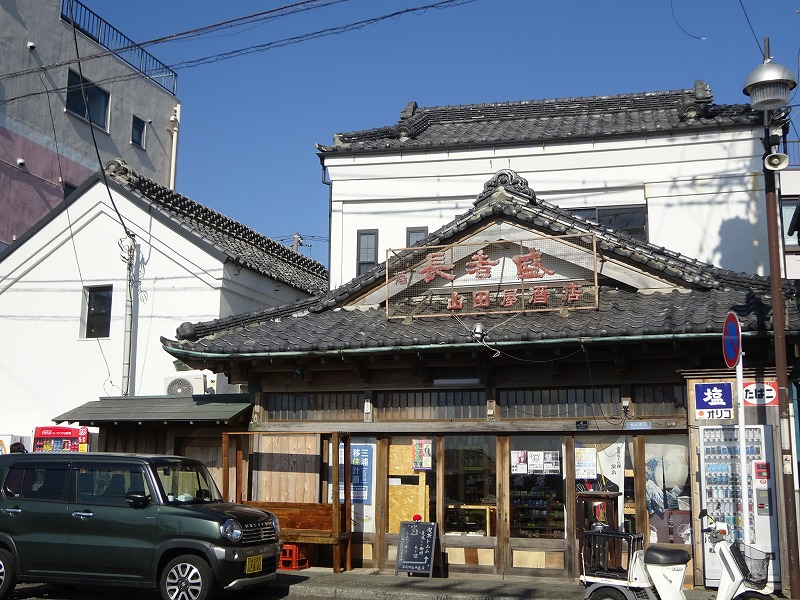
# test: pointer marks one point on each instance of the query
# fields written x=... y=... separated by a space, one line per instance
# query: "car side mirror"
x=137 y=499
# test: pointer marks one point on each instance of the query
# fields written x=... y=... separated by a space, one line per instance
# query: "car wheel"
x=607 y=593
x=186 y=577
x=8 y=574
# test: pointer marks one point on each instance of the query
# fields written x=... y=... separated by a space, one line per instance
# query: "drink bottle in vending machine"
x=723 y=494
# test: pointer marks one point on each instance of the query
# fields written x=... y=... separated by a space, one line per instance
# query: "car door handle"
x=12 y=511
x=83 y=515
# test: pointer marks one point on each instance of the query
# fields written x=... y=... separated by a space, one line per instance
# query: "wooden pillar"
x=640 y=488
x=381 y=502
x=571 y=557
x=238 y=442
x=503 y=559
x=225 y=466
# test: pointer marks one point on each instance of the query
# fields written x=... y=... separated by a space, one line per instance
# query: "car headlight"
x=231 y=529
x=277 y=526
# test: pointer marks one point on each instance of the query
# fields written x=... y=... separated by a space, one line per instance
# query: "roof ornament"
x=508 y=180
x=408 y=111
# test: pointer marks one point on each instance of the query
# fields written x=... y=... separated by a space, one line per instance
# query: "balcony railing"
x=112 y=39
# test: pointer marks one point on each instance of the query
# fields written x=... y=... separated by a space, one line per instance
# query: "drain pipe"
x=175 y=121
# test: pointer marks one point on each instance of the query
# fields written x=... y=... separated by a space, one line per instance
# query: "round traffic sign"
x=731 y=340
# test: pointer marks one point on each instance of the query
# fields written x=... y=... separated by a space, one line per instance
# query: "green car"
x=146 y=521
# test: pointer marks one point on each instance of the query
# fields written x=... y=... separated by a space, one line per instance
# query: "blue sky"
x=249 y=124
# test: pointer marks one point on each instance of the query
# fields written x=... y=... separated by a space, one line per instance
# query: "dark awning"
x=218 y=408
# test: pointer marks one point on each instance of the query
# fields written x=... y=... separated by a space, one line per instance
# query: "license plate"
x=253 y=564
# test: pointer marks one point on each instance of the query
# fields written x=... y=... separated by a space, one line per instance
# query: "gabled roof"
x=693 y=301
x=240 y=244
x=563 y=119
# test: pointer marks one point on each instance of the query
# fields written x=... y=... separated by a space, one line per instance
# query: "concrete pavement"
x=368 y=584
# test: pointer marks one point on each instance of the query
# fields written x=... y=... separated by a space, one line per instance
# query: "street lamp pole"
x=768 y=87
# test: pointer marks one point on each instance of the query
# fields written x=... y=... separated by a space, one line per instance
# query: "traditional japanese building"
x=516 y=376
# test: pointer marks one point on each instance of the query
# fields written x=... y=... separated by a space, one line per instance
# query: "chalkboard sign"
x=416 y=547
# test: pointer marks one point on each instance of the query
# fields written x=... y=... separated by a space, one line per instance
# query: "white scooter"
x=615 y=567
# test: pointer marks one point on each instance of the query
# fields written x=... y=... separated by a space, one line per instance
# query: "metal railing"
x=109 y=37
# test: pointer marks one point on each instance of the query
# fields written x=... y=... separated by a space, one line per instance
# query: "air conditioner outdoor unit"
x=185 y=383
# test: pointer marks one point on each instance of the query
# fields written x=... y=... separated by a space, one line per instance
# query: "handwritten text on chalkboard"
x=416 y=547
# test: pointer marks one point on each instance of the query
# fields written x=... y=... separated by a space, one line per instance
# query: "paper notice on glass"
x=585 y=463
x=422 y=459
x=552 y=462
x=535 y=461
x=519 y=462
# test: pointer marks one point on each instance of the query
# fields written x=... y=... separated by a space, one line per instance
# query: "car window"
x=36 y=481
x=186 y=481
x=108 y=484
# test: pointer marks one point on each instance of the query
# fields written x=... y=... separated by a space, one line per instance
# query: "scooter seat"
x=665 y=555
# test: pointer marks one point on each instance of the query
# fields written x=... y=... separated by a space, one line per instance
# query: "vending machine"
x=60 y=439
x=721 y=491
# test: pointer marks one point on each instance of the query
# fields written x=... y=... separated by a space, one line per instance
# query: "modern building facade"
x=74 y=87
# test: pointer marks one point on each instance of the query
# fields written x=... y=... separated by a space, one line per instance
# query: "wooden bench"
x=313 y=523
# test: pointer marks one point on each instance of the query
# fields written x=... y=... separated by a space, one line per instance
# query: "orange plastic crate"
x=294 y=557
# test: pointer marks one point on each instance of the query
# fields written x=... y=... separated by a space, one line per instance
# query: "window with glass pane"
x=98 y=311
x=94 y=106
x=536 y=487
x=631 y=220
x=602 y=466
x=367 y=250
x=470 y=485
x=137 y=131
x=669 y=489
x=788 y=208
x=415 y=234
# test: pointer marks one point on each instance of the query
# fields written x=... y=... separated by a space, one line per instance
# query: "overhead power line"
x=266 y=15
x=442 y=4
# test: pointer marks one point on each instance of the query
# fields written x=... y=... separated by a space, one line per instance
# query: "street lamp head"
x=768 y=86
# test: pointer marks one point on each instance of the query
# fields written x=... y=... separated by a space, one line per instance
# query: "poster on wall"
x=360 y=473
x=422 y=459
x=585 y=463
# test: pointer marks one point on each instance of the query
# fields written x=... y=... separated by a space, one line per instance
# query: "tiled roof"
x=243 y=245
x=332 y=322
x=219 y=407
x=563 y=119
x=621 y=314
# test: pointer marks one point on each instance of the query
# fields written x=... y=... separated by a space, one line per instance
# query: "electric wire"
x=188 y=64
x=128 y=233
x=267 y=15
x=753 y=31
x=674 y=18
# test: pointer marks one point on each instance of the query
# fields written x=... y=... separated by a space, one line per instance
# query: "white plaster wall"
x=48 y=367
x=704 y=193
